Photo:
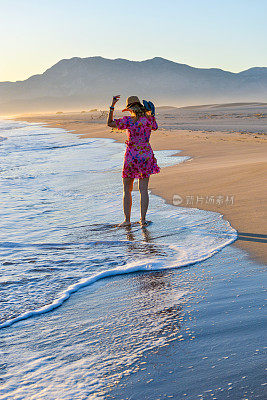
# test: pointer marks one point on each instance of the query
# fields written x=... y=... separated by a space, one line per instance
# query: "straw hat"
x=130 y=101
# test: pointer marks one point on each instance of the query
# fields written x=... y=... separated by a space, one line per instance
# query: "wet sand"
x=185 y=333
x=227 y=170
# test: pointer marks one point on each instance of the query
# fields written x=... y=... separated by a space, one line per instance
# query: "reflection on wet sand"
x=146 y=246
x=159 y=304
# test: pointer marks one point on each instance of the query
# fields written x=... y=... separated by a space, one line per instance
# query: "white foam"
x=186 y=258
x=71 y=193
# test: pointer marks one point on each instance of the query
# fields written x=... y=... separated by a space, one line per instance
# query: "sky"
x=226 y=34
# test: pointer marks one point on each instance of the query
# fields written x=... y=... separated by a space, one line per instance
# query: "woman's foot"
x=143 y=222
x=124 y=223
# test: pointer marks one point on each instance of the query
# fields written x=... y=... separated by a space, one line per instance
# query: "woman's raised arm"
x=110 y=121
x=154 y=125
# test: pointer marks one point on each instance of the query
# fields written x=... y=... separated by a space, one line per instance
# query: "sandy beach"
x=228 y=149
x=102 y=297
x=174 y=309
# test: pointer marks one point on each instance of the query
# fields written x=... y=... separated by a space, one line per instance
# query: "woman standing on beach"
x=139 y=159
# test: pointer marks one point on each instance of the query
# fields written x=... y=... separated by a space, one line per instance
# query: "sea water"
x=92 y=311
x=60 y=202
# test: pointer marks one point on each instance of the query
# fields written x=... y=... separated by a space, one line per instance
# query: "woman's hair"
x=139 y=110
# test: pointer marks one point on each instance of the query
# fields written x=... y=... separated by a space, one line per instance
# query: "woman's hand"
x=115 y=99
x=110 y=121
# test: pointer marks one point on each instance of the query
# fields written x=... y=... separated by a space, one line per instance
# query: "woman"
x=139 y=159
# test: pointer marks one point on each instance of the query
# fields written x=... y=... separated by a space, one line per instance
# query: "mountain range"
x=84 y=83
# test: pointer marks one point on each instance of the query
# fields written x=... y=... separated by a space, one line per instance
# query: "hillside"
x=90 y=82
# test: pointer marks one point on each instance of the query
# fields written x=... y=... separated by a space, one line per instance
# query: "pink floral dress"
x=139 y=159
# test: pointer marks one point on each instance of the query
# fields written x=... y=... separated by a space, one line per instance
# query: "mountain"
x=91 y=82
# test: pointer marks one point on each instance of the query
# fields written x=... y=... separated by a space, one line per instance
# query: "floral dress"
x=139 y=159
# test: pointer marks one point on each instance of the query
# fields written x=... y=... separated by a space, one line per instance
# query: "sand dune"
x=226 y=105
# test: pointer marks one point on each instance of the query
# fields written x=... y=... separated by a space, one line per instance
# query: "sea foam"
x=63 y=200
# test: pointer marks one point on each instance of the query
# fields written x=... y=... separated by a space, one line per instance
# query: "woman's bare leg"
x=144 y=198
x=127 y=200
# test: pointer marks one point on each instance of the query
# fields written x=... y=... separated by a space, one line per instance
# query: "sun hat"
x=130 y=101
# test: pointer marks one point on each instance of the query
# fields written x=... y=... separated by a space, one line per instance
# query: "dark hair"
x=138 y=109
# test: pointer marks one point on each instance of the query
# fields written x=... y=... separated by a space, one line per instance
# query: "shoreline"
x=225 y=173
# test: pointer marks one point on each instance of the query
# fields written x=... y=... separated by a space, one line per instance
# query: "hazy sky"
x=35 y=34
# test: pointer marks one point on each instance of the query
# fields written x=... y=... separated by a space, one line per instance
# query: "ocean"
x=84 y=304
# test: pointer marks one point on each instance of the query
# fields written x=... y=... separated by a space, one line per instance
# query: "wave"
x=44 y=148
x=200 y=234
x=146 y=265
